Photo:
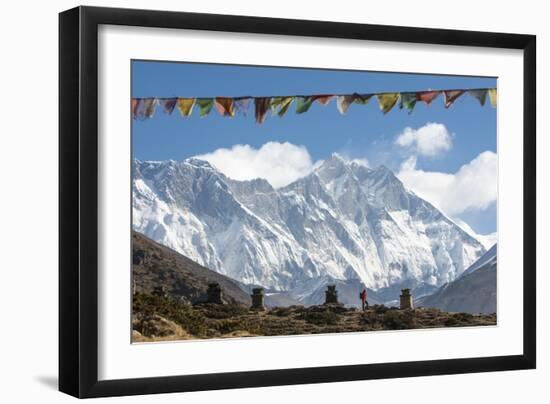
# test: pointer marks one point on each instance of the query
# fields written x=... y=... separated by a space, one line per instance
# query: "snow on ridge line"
x=269 y=243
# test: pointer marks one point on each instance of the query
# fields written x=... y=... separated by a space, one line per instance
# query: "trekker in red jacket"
x=363 y=297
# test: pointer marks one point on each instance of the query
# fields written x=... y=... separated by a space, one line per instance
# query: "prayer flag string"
x=144 y=108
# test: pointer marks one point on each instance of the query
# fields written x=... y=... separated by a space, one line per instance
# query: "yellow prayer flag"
x=386 y=101
x=493 y=97
x=185 y=106
x=285 y=105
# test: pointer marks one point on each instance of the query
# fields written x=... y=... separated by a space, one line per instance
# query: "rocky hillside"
x=155 y=266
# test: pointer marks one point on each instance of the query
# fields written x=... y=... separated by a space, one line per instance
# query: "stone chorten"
x=257 y=299
x=214 y=293
x=331 y=295
x=406 y=300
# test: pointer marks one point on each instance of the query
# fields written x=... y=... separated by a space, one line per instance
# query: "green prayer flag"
x=480 y=95
x=205 y=105
x=303 y=104
x=408 y=100
x=386 y=101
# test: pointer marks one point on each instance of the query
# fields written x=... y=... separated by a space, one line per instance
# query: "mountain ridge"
x=344 y=220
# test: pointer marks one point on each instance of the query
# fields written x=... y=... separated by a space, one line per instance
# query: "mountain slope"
x=473 y=292
x=489 y=257
x=344 y=221
x=157 y=266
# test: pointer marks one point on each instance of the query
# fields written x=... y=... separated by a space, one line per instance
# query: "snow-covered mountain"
x=344 y=221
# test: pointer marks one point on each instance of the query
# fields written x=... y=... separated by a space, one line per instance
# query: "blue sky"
x=364 y=132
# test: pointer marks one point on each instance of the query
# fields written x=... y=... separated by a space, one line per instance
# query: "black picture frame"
x=78 y=201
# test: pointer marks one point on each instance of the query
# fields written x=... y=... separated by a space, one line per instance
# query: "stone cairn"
x=214 y=293
x=331 y=295
x=406 y=300
x=257 y=299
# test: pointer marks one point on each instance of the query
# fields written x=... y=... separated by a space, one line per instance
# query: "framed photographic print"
x=251 y=201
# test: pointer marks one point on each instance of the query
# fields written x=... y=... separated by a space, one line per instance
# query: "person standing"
x=363 y=297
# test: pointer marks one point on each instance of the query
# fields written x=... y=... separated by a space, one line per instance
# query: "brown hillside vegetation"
x=155 y=266
x=170 y=291
x=154 y=316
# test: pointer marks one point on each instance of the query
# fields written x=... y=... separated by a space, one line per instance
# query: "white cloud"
x=279 y=163
x=361 y=162
x=473 y=186
x=429 y=140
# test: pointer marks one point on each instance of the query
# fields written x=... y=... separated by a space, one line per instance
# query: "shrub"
x=464 y=317
x=227 y=326
x=297 y=308
x=380 y=308
x=369 y=318
x=222 y=311
x=398 y=320
x=320 y=317
x=458 y=319
x=191 y=320
x=451 y=322
x=281 y=311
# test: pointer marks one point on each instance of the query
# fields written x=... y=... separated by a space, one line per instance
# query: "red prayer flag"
x=323 y=99
x=225 y=106
x=427 y=96
x=135 y=107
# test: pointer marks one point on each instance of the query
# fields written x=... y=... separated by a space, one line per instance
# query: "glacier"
x=344 y=222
